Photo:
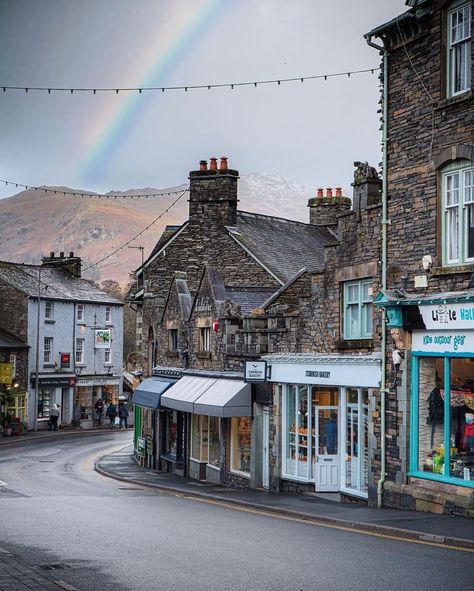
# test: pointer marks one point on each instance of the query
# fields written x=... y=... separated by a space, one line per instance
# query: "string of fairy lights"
x=125 y=244
x=96 y=195
x=185 y=87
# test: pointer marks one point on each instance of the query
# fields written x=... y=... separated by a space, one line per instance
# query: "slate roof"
x=9 y=341
x=56 y=283
x=248 y=298
x=282 y=246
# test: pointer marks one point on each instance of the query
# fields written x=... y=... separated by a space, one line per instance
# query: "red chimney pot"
x=338 y=191
x=202 y=165
x=329 y=192
x=320 y=193
x=213 y=165
x=223 y=163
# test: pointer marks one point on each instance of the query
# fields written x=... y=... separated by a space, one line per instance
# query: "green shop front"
x=441 y=375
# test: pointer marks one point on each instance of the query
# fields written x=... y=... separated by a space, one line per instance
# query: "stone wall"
x=14 y=311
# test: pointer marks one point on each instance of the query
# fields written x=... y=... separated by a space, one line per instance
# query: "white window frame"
x=48 y=344
x=300 y=390
x=108 y=314
x=108 y=356
x=79 y=351
x=49 y=310
x=13 y=364
x=205 y=339
x=80 y=313
x=364 y=307
x=459 y=43
x=457 y=199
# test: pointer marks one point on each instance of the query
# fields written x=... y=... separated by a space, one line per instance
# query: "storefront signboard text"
x=443 y=341
x=333 y=374
x=6 y=373
x=102 y=338
x=448 y=316
x=255 y=371
x=141 y=442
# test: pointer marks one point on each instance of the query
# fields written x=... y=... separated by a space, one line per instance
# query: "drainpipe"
x=383 y=386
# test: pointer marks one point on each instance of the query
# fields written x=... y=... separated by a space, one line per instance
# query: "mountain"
x=33 y=223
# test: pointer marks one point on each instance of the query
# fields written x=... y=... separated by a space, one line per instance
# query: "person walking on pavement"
x=54 y=418
x=99 y=410
x=111 y=413
x=123 y=414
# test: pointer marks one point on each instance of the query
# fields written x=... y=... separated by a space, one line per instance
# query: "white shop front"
x=325 y=419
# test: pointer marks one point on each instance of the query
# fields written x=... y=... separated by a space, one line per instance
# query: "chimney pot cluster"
x=213 y=164
x=320 y=192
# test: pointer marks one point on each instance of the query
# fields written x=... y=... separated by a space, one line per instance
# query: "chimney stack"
x=213 y=195
x=324 y=210
x=71 y=264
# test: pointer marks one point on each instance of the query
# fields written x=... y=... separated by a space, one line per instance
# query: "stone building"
x=429 y=112
x=13 y=383
x=74 y=337
x=231 y=286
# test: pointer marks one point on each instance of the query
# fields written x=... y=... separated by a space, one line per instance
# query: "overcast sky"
x=310 y=133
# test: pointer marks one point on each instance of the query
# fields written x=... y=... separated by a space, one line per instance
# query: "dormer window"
x=459 y=49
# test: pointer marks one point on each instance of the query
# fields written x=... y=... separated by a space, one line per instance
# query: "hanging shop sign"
x=6 y=373
x=443 y=341
x=255 y=371
x=102 y=338
x=450 y=316
x=141 y=442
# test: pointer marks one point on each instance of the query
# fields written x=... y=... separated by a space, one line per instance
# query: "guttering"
x=383 y=385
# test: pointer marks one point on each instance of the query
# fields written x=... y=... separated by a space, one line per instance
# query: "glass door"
x=356 y=435
x=325 y=439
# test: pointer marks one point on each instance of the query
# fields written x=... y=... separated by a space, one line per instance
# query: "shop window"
x=173 y=339
x=80 y=313
x=358 y=310
x=356 y=439
x=444 y=428
x=459 y=59
x=458 y=207
x=48 y=351
x=108 y=314
x=241 y=428
x=80 y=351
x=45 y=397
x=204 y=339
x=49 y=311
x=299 y=434
x=205 y=445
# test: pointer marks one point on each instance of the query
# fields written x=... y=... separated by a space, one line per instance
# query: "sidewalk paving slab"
x=443 y=530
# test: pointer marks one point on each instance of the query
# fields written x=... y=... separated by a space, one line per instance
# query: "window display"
x=299 y=433
x=445 y=426
x=357 y=439
x=241 y=430
x=45 y=397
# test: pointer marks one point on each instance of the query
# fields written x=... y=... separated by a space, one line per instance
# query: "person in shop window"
x=99 y=410
x=111 y=414
x=123 y=415
x=54 y=418
x=468 y=439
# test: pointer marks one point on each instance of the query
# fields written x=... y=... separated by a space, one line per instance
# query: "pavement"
x=428 y=528
x=44 y=433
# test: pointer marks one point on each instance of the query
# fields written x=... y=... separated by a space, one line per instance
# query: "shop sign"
x=443 y=341
x=97 y=382
x=141 y=442
x=54 y=381
x=65 y=360
x=448 y=316
x=6 y=373
x=334 y=374
x=255 y=371
x=102 y=338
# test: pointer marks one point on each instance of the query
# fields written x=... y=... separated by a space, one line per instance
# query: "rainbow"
x=180 y=28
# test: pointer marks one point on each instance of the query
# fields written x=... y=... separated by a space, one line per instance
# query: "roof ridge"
x=275 y=217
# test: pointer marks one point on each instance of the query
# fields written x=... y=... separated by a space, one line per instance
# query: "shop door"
x=327 y=449
x=65 y=406
x=265 y=448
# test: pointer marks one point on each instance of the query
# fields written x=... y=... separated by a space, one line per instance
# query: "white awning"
x=215 y=397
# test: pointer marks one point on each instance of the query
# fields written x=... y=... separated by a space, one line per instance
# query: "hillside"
x=34 y=223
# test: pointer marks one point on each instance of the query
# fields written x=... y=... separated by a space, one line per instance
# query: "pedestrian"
x=123 y=414
x=54 y=418
x=111 y=413
x=99 y=410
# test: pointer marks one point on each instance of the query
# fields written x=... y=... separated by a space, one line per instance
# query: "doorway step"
x=333 y=497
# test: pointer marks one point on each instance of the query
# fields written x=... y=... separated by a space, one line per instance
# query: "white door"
x=265 y=448
x=326 y=449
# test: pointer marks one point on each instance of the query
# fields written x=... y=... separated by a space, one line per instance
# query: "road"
x=104 y=534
